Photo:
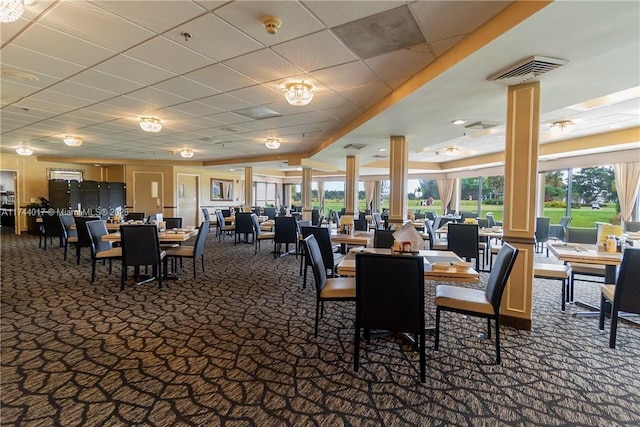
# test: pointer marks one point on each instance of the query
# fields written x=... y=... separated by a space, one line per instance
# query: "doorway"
x=148 y=189
x=188 y=191
x=9 y=220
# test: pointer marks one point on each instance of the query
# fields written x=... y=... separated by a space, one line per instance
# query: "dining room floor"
x=235 y=347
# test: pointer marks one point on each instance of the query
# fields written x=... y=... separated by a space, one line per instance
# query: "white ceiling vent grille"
x=527 y=69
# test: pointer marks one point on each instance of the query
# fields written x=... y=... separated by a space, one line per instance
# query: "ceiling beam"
x=293 y=159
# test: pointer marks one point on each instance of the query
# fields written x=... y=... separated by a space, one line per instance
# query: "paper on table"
x=607 y=230
x=408 y=233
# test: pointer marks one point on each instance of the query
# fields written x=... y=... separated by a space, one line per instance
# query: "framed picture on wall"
x=221 y=189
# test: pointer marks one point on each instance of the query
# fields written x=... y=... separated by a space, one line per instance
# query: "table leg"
x=594 y=311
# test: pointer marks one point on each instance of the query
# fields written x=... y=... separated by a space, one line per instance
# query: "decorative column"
x=307 y=176
x=520 y=177
x=351 y=186
x=248 y=188
x=398 y=174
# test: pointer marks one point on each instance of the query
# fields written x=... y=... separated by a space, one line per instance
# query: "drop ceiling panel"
x=195 y=108
x=225 y=102
x=441 y=46
x=168 y=55
x=348 y=11
x=16 y=57
x=444 y=19
x=214 y=38
x=59 y=45
x=47 y=102
x=345 y=76
x=105 y=81
x=258 y=95
x=263 y=66
x=412 y=59
x=134 y=70
x=365 y=96
x=85 y=21
x=186 y=88
x=221 y=77
x=166 y=14
x=156 y=97
x=15 y=91
x=130 y=106
x=315 y=51
x=296 y=20
x=67 y=87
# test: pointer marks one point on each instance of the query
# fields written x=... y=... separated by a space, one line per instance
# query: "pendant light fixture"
x=272 y=143
x=73 y=141
x=11 y=10
x=298 y=93
x=150 y=124
x=187 y=153
x=24 y=151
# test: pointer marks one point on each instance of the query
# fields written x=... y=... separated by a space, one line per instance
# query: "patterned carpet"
x=235 y=348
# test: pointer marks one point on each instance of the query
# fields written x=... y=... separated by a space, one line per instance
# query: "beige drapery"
x=369 y=191
x=226 y=187
x=277 y=196
x=445 y=189
x=321 y=194
x=240 y=188
x=627 y=177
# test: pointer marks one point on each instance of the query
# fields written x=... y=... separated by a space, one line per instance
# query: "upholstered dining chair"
x=474 y=302
x=70 y=233
x=194 y=252
x=260 y=235
x=330 y=258
x=135 y=216
x=244 y=226
x=333 y=289
x=390 y=297
x=101 y=250
x=542 y=233
x=632 y=226
x=84 y=240
x=360 y=225
x=624 y=296
x=580 y=269
x=435 y=243
x=171 y=223
x=141 y=247
x=463 y=240
x=52 y=228
x=383 y=239
x=207 y=217
x=222 y=228
x=286 y=233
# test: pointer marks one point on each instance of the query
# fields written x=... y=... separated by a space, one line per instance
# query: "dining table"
x=588 y=254
x=347 y=267
x=168 y=236
x=357 y=238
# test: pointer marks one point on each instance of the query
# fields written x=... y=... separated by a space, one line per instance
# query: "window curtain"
x=445 y=189
x=226 y=186
x=321 y=195
x=369 y=191
x=277 y=195
x=241 y=189
x=627 y=177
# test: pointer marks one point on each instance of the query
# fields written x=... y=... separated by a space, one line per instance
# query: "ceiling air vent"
x=355 y=146
x=527 y=69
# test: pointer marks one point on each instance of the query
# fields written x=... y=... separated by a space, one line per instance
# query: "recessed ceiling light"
x=24 y=151
x=73 y=141
x=231 y=170
x=186 y=153
x=272 y=143
x=382 y=149
x=150 y=124
x=19 y=75
x=459 y=122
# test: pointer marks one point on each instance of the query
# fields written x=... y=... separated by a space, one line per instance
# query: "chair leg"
x=78 y=254
x=564 y=293
x=93 y=270
x=614 y=329
x=423 y=356
x=437 y=338
x=123 y=277
x=315 y=334
x=356 y=346
x=603 y=307
x=489 y=327
x=497 y=339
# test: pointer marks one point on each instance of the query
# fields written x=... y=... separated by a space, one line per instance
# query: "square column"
x=307 y=176
x=352 y=179
x=248 y=188
x=398 y=174
x=520 y=177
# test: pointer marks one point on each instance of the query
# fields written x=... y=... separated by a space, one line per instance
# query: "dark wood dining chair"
x=475 y=302
x=260 y=235
x=383 y=239
x=464 y=241
x=390 y=297
x=330 y=257
x=286 y=233
x=84 y=240
x=333 y=289
x=624 y=296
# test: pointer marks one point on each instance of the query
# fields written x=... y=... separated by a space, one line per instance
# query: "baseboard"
x=516 y=322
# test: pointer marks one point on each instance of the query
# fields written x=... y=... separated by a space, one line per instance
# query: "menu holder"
x=408 y=234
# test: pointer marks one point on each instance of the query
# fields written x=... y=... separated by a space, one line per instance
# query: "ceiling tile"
x=105 y=81
x=166 y=14
x=84 y=20
x=348 y=11
x=16 y=57
x=59 y=45
x=186 y=87
x=220 y=77
x=81 y=91
x=168 y=55
x=195 y=108
x=131 y=69
x=258 y=95
x=214 y=38
x=156 y=97
x=296 y=20
x=225 y=102
x=413 y=59
x=263 y=66
x=345 y=76
x=315 y=51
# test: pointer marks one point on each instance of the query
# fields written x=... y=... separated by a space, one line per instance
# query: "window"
x=66 y=174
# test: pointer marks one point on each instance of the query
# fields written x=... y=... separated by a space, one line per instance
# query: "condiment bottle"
x=610 y=244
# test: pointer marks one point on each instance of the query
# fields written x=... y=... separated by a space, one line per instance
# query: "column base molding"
x=515 y=322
